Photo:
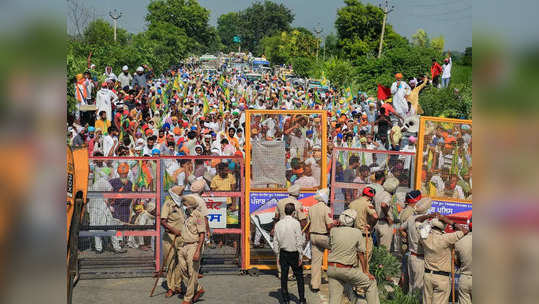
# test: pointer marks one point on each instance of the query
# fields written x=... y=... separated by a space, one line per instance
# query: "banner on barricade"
x=216 y=212
x=451 y=208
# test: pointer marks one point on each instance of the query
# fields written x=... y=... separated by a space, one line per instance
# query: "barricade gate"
x=120 y=235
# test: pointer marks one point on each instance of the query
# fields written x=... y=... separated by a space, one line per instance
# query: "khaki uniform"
x=437 y=248
x=319 y=218
x=345 y=243
x=194 y=225
x=175 y=218
x=463 y=250
x=363 y=208
x=383 y=230
x=403 y=217
x=415 y=258
x=298 y=214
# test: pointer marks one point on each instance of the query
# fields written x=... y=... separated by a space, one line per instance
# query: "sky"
x=451 y=19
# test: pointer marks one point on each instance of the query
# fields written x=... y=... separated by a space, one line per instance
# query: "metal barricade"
x=224 y=251
x=353 y=168
x=119 y=235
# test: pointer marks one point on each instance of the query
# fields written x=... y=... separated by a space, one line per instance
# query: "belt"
x=444 y=273
x=417 y=255
x=339 y=265
x=319 y=233
x=189 y=243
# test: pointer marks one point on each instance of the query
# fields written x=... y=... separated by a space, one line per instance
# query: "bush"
x=302 y=66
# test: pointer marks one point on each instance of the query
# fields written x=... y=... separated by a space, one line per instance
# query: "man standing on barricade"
x=437 y=247
x=293 y=194
x=347 y=246
x=415 y=256
x=172 y=219
x=320 y=224
x=189 y=254
x=366 y=217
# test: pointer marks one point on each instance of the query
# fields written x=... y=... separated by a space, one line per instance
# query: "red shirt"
x=435 y=70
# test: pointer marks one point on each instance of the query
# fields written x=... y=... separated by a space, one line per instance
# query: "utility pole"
x=318 y=30
x=115 y=15
x=386 y=9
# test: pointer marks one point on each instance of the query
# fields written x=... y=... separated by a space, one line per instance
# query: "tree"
x=186 y=16
x=100 y=32
x=420 y=38
x=261 y=20
x=302 y=66
x=331 y=45
x=79 y=16
x=359 y=28
x=467 y=59
x=228 y=26
x=438 y=43
x=282 y=47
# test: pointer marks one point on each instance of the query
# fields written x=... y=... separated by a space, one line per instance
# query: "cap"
x=190 y=201
x=413 y=196
x=423 y=205
x=437 y=224
x=369 y=191
x=178 y=190
x=125 y=68
x=140 y=69
x=198 y=185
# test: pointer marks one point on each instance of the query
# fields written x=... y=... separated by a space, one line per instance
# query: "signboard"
x=236 y=39
x=216 y=211
x=451 y=208
x=263 y=202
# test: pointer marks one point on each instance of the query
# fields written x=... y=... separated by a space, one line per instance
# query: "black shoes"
x=303 y=301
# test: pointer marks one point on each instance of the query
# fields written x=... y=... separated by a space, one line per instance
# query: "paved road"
x=222 y=289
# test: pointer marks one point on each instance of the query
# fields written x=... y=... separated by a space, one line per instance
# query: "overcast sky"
x=452 y=19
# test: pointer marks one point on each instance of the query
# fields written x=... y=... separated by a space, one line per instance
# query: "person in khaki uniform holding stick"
x=320 y=224
x=366 y=217
x=193 y=234
x=437 y=248
x=293 y=194
x=463 y=249
x=172 y=219
x=347 y=246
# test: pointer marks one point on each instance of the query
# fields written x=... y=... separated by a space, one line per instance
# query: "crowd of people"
x=189 y=112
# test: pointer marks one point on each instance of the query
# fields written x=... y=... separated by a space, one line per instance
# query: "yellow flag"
x=206 y=107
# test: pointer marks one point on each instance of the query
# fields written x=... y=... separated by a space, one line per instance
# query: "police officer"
x=415 y=257
x=320 y=224
x=437 y=248
x=347 y=246
x=463 y=250
x=366 y=217
x=172 y=219
x=194 y=230
x=410 y=200
x=293 y=194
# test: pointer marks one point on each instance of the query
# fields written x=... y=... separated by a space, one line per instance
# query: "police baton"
x=453 y=275
x=160 y=273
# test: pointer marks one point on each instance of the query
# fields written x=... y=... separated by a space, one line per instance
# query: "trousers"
x=319 y=244
x=465 y=289
x=338 y=277
x=437 y=289
x=189 y=270
x=289 y=259
x=174 y=277
x=384 y=233
x=416 y=271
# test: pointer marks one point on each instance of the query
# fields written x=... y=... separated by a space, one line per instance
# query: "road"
x=221 y=289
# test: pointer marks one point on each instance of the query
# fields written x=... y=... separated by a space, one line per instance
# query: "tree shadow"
x=277 y=295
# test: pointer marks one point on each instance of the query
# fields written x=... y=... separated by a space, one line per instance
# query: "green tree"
x=438 y=43
x=331 y=45
x=359 y=27
x=228 y=26
x=282 y=47
x=185 y=16
x=302 y=66
x=420 y=38
x=100 y=32
x=467 y=59
x=260 y=20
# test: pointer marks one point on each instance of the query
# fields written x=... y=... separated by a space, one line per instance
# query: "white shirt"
x=108 y=144
x=125 y=80
x=288 y=235
x=306 y=182
x=446 y=69
x=399 y=101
